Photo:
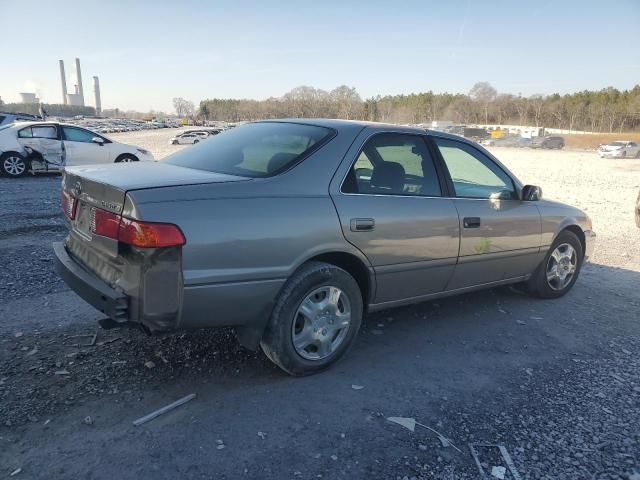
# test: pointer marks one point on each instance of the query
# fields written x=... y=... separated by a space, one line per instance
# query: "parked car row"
x=116 y=125
x=549 y=142
x=49 y=146
x=190 y=137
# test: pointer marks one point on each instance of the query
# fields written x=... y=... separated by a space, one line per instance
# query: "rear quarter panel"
x=240 y=251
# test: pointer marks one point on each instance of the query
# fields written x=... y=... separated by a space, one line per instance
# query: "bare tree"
x=483 y=93
x=537 y=107
x=183 y=107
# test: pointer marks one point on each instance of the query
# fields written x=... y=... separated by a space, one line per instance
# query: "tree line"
x=606 y=110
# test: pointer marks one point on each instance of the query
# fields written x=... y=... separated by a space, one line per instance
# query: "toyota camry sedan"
x=292 y=230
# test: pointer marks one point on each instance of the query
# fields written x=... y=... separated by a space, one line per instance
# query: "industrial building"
x=77 y=97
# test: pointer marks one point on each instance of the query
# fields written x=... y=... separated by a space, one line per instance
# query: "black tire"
x=277 y=342
x=13 y=165
x=195 y=141
x=126 y=158
x=175 y=142
x=624 y=154
x=538 y=284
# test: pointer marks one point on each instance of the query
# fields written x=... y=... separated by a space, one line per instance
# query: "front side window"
x=77 y=135
x=474 y=175
x=393 y=164
x=255 y=150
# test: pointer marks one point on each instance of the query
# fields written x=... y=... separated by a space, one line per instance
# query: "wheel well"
x=355 y=267
x=122 y=155
x=580 y=234
x=11 y=152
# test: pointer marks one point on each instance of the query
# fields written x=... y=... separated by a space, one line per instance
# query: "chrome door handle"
x=362 y=224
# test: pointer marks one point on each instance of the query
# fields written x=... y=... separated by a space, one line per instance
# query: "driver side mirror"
x=531 y=193
x=98 y=140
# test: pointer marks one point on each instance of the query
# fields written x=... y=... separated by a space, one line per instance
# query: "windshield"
x=253 y=150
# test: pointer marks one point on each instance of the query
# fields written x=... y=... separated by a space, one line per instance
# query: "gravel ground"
x=557 y=383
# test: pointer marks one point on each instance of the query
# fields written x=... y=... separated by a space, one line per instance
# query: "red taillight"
x=150 y=235
x=135 y=233
x=105 y=223
x=68 y=204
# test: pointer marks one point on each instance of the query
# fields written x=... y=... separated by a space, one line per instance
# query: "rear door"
x=500 y=234
x=44 y=139
x=80 y=148
x=391 y=208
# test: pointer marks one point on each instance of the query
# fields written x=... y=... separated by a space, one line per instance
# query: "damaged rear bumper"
x=90 y=288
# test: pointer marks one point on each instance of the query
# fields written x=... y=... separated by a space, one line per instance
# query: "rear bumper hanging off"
x=90 y=288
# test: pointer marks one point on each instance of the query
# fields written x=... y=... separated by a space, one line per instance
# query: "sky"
x=148 y=52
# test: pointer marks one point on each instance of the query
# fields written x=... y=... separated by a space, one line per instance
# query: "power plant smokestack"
x=96 y=92
x=79 y=75
x=63 y=79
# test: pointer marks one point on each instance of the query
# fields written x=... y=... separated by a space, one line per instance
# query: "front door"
x=80 y=148
x=45 y=141
x=391 y=207
x=500 y=234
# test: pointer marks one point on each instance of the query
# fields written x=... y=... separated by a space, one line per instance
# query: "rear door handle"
x=362 y=224
x=471 y=222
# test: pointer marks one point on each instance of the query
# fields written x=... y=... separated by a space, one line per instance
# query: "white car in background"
x=187 y=138
x=619 y=149
x=50 y=146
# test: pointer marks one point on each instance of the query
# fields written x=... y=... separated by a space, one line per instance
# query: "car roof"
x=44 y=122
x=338 y=124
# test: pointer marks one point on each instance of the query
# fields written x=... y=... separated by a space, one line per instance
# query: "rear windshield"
x=254 y=150
x=617 y=144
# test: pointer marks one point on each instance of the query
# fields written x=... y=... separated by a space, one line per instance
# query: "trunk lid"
x=105 y=186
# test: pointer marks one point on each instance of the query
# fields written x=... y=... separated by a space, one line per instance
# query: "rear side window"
x=254 y=150
x=393 y=164
x=44 y=131
x=25 y=133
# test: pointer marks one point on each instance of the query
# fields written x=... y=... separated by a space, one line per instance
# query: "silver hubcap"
x=126 y=160
x=321 y=323
x=14 y=165
x=561 y=266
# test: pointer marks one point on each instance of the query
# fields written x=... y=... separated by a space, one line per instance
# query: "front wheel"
x=315 y=319
x=13 y=165
x=560 y=268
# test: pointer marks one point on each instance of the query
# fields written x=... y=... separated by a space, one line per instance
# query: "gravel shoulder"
x=555 y=382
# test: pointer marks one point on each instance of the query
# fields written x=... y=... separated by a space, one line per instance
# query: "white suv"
x=47 y=146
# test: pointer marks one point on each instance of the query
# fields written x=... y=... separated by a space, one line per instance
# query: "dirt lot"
x=557 y=383
x=591 y=142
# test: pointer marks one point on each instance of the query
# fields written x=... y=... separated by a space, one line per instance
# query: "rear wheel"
x=13 y=165
x=315 y=319
x=126 y=158
x=560 y=268
x=195 y=141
